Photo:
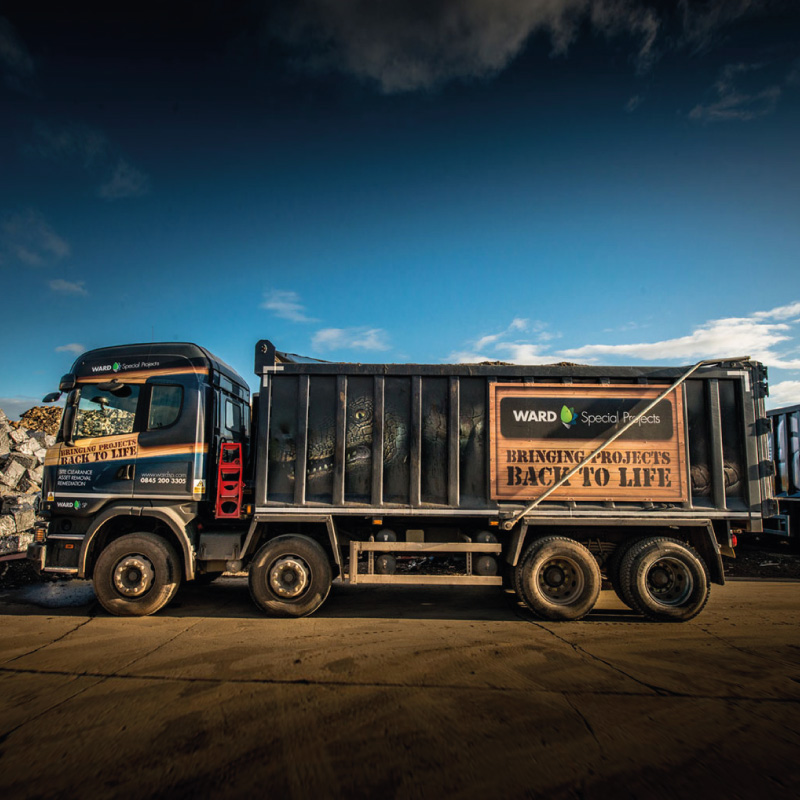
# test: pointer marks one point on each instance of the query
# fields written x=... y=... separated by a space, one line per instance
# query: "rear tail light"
x=734 y=540
x=39 y=532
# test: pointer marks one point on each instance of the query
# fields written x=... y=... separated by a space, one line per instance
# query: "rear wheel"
x=136 y=575
x=558 y=579
x=614 y=567
x=290 y=576
x=665 y=579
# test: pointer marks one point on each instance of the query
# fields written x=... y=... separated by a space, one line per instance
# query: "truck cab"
x=136 y=451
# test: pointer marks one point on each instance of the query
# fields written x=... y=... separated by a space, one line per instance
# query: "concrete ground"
x=399 y=692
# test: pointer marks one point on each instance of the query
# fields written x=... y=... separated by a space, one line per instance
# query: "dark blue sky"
x=613 y=181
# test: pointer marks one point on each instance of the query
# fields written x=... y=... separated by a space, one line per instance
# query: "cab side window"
x=234 y=420
x=165 y=406
x=233 y=416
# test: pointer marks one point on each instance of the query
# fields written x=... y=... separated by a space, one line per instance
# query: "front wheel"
x=136 y=575
x=290 y=576
x=558 y=579
x=665 y=579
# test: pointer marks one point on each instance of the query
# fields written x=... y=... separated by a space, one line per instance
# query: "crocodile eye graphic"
x=361 y=415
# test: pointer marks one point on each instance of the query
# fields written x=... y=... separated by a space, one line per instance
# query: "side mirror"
x=67 y=383
x=52 y=397
x=68 y=421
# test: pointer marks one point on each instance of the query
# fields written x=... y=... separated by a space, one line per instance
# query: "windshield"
x=101 y=413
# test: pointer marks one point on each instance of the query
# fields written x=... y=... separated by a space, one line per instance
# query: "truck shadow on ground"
x=479 y=604
x=230 y=598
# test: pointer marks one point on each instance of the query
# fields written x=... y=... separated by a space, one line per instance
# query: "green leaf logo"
x=568 y=416
x=76 y=505
x=115 y=366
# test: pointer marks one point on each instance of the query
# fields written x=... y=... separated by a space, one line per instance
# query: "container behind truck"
x=785 y=433
x=544 y=479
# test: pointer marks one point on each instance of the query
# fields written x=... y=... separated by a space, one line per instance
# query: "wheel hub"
x=561 y=580
x=554 y=576
x=659 y=578
x=669 y=581
x=133 y=576
x=289 y=577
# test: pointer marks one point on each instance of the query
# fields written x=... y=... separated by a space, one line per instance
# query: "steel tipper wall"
x=413 y=440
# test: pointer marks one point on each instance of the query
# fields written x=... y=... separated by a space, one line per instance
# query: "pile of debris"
x=23 y=446
x=41 y=418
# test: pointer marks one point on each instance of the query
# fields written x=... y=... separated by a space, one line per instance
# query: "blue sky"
x=608 y=182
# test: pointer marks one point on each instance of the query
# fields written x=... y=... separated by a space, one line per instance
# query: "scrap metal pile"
x=23 y=446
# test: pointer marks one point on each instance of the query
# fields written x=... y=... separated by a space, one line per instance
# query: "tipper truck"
x=544 y=480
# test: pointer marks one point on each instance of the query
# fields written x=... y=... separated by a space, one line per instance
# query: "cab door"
x=172 y=451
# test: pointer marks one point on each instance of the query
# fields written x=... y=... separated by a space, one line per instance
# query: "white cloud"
x=703 y=22
x=286 y=304
x=767 y=336
x=90 y=149
x=73 y=347
x=524 y=353
x=125 y=181
x=633 y=103
x=781 y=312
x=67 y=287
x=785 y=393
x=73 y=142
x=15 y=59
x=507 y=346
x=487 y=341
x=734 y=103
x=733 y=336
x=403 y=46
x=350 y=339
x=518 y=324
x=28 y=238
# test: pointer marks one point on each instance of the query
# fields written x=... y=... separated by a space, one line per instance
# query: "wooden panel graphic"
x=542 y=431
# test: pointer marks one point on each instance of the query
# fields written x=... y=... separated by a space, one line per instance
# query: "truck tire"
x=136 y=575
x=558 y=579
x=665 y=579
x=614 y=567
x=290 y=576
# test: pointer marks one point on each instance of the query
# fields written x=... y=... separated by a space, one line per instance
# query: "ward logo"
x=568 y=417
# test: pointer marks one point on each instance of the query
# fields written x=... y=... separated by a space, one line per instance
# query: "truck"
x=785 y=447
x=550 y=482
